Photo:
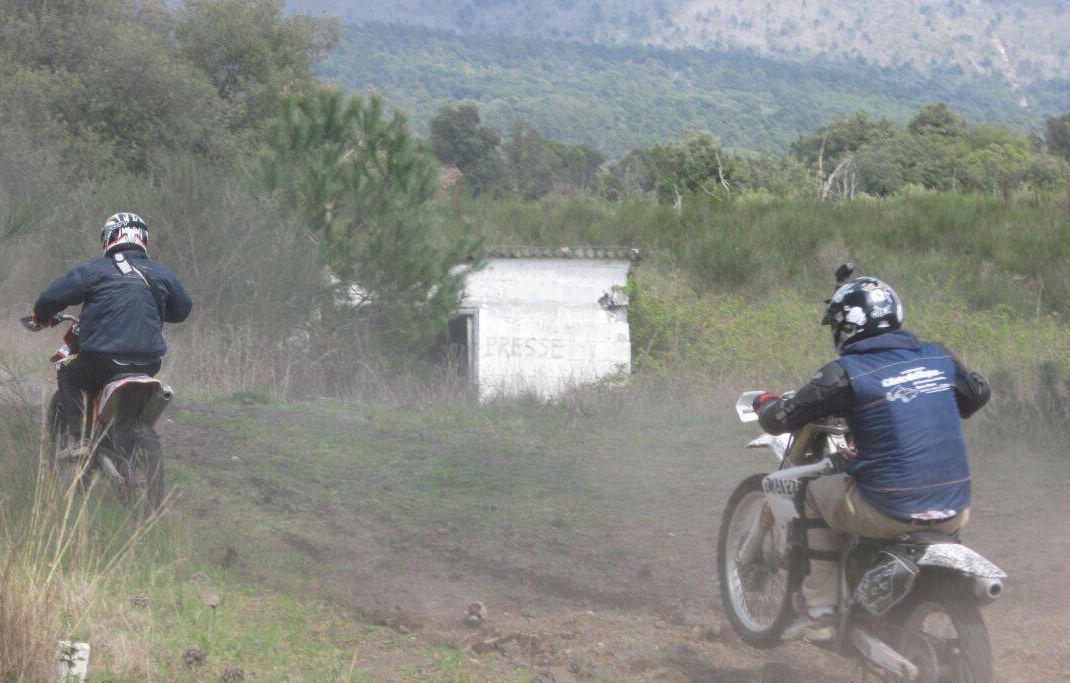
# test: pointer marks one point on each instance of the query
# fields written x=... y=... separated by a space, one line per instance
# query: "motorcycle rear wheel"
x=756 y=598
x=140 y=462
x=941 y=630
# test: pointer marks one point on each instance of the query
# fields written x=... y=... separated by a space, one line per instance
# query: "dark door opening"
x=461 y=345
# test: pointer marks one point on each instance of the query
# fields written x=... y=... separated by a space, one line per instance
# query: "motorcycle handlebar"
x=31 y=323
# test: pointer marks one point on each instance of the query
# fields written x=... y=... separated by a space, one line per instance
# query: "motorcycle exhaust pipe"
x=987 y=590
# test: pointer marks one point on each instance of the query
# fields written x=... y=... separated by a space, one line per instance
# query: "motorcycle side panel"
x=958 y=556
x=787 y=482
x=887 y=582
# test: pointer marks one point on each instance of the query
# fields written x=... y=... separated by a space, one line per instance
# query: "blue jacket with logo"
x=902 y=399
x=911 y=459
x=120 y=317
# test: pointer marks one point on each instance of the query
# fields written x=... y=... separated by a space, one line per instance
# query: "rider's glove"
x=762 y=399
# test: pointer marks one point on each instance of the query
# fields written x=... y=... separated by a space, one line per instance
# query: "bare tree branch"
x=844 y=173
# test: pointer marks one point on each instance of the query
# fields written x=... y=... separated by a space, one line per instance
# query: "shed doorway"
x=460 y=346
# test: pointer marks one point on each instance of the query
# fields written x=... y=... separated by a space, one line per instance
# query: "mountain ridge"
x=617 y=98
x=1023 y=41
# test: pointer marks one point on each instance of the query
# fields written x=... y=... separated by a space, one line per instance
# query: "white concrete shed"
x=543 y=320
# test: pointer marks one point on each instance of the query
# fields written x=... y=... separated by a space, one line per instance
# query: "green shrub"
x=773 y=339
x=986 y=252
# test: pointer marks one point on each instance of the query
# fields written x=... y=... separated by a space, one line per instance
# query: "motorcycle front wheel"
x=940 y=629
x=756 y=594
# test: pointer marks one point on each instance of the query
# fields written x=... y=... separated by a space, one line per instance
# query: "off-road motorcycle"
x=909 y=607
x=123 y=444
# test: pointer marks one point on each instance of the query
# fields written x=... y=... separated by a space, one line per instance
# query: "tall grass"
x=59 y=546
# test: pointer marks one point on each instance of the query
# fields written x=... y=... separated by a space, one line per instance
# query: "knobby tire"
x=769 y=635
x=943 y=593
x=143 y=455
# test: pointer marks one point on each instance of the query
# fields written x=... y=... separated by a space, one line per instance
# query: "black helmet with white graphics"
x=124 y=230
x=860 y=308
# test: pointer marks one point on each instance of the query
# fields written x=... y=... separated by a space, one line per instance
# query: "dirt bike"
x=910 y=607
x=124 y=445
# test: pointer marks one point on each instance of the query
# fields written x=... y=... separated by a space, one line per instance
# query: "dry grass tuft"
x=59 y=545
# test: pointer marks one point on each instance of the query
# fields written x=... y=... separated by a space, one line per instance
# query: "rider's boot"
x=71 y=402
x=74 y=450
x=814 y=625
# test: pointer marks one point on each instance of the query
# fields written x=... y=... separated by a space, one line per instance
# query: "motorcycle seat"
x=917 y=538
x=931 y=538
x=126 y=375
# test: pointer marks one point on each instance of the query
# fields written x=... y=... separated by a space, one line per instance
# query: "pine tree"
x=361 y=184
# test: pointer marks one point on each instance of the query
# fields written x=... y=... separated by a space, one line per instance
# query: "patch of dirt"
x=638 y=602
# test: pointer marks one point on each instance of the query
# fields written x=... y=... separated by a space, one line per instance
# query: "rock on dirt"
x=476 y=615
x=194 y=656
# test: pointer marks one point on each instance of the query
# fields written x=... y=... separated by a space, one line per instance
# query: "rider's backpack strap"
x=125 y=267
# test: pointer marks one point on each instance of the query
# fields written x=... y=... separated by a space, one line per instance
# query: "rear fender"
x=140 y=396
x=960 y=558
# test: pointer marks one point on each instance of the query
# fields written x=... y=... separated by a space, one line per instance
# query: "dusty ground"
x=611 y=578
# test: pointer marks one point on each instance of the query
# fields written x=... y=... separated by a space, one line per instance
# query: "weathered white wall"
x=540 y=326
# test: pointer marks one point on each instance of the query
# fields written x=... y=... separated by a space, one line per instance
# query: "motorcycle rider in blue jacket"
x=126 y=297
x=903 y=400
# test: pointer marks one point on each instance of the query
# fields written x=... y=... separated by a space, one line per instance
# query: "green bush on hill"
x=989 y=253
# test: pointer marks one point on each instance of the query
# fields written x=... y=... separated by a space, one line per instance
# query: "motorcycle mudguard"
x=887 y=582
x=141 y=395
x=778 y=444
x=959 y=557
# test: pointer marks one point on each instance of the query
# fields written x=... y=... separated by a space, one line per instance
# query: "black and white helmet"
x=123 y=229
x=860 y=308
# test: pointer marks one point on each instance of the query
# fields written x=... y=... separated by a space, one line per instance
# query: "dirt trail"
x=635 y=599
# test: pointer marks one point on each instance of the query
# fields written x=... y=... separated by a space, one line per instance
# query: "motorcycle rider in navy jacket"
x=126 y=297
x=903 y=400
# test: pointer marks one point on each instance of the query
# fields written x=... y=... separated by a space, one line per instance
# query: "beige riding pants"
x=835 y=499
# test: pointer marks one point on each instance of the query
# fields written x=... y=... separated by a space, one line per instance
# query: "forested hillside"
x=1025 y=40
x=618 y=98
